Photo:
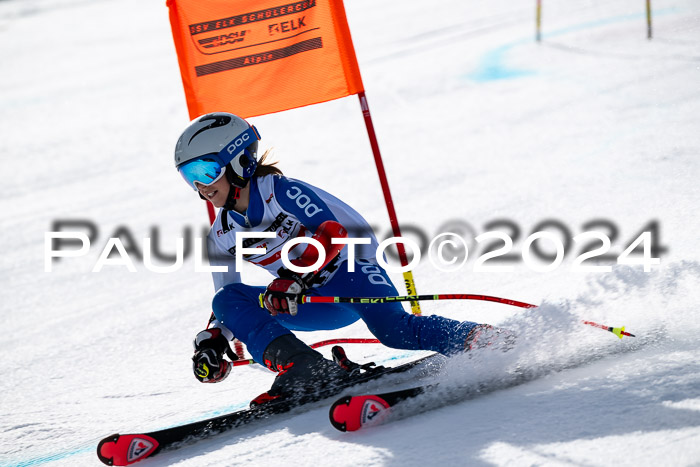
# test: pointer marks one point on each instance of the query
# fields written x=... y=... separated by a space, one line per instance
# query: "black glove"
x=283 y=293
x=208 y=362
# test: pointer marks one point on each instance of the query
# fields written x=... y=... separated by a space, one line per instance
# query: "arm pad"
x=324 y=234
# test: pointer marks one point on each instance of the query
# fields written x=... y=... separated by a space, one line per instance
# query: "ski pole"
x=408 y=298
x=619 y=332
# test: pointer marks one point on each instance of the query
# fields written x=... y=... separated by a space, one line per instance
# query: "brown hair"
x=267 y=169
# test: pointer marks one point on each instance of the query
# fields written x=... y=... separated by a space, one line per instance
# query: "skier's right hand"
x=208 y=362
x=282 y=294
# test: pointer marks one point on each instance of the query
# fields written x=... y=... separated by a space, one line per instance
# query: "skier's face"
x=216 y=192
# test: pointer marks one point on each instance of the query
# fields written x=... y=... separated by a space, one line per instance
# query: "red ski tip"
x=126 y=449
x=352 y=413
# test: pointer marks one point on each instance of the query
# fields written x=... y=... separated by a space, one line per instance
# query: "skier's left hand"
x=208 y=362
x=283 y=294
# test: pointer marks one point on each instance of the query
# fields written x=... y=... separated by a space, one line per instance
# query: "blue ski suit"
x=290 y=208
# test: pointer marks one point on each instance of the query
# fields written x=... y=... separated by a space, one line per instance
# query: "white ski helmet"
x=216 y=144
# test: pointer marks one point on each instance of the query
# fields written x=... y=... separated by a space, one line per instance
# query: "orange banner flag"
x=256 y=57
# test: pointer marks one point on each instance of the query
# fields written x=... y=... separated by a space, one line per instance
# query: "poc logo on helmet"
x=238 y=143
x=303 y=201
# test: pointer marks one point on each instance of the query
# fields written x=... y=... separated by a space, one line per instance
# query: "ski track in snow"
x=476 y=123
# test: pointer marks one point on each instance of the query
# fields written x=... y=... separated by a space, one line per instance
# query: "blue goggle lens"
x=205 y=171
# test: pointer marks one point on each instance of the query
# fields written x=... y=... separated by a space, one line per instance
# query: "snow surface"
x=477 y=122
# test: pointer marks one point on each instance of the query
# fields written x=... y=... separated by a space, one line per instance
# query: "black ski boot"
x=302 y=371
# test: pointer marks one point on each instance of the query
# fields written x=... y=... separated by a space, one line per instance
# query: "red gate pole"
x=408 y=276
x=237 y=345
x=211 y=212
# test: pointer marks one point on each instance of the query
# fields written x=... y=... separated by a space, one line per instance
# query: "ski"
x=125 y=449
x=351 y=413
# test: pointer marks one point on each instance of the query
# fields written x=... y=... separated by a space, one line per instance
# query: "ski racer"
x=217 y=157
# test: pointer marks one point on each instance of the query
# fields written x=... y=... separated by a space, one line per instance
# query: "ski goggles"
x=209 y=168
